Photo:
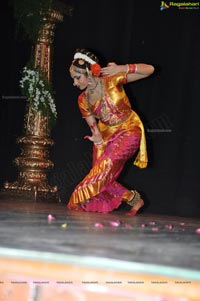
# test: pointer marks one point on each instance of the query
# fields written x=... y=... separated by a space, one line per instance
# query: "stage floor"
x=146 y=243
x=155 y=239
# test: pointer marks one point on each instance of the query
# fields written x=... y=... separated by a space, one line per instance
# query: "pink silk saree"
x=123 y=135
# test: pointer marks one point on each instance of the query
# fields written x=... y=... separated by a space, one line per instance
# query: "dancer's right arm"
x=96 y=137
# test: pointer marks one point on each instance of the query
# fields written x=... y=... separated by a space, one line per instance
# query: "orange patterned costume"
x=123 y=134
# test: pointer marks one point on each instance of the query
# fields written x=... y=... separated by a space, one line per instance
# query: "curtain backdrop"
x=126 y=31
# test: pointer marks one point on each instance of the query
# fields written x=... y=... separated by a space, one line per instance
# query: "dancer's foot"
x=136 y=208
x=76 y=208
x=136 y=203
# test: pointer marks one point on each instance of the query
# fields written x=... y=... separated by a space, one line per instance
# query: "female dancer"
x=117 y=132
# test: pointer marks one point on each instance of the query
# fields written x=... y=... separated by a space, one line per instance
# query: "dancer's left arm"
x=134 y=71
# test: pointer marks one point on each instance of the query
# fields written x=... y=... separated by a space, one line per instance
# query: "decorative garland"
x=38 y=92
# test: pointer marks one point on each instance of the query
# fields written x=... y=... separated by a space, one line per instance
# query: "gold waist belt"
x=118 y=122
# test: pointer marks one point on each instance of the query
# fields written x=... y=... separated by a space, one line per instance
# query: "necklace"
x=91 y=90
x=102 y=102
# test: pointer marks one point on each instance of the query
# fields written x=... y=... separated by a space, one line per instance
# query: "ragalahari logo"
x=180 y=5
x=164 y=5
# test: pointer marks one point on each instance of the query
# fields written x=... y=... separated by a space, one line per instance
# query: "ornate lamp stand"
x=34 y=163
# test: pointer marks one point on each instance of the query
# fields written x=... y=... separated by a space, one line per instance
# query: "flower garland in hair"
x=94 y=67
x=79 y=55
x=38 y=92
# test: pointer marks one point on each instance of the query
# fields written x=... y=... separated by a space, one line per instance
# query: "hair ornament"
x=79 y=55
x=81 y=62
x=76 y=69
x=96 y=69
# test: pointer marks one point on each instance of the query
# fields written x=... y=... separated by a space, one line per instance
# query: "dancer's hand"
x=111 y=69
x=96 y=139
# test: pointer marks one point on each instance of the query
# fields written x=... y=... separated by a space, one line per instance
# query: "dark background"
x=168 y=102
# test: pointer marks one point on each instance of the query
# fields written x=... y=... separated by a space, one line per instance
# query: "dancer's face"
x=80 y=79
